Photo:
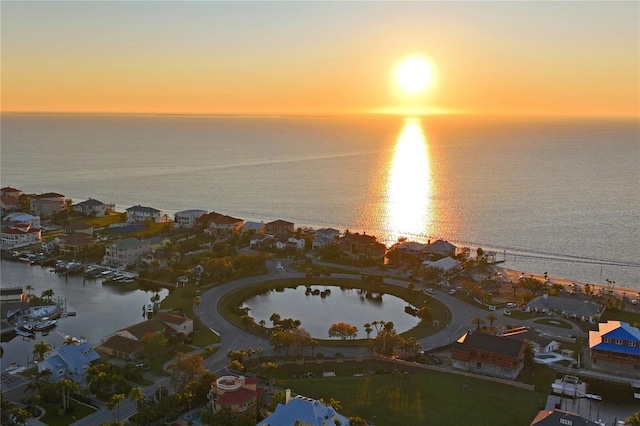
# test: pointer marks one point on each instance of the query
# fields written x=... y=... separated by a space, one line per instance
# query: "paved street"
x=462 y=315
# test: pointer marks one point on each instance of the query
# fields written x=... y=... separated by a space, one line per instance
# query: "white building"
x=187 y=218
x=138 y=214
x=19 y=235
x=91 y=207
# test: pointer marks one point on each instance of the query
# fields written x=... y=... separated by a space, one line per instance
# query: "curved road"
x=234 y=338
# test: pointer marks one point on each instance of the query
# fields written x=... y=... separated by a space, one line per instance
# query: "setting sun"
x=414 y=74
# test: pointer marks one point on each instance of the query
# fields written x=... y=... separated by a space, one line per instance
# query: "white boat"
x=45 y=324
x=15 y=368
x=572 y=386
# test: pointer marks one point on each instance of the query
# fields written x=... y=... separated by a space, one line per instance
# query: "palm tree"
x=66 y=386
x=114 y=402
x=368 y=329
x=137 y=396
x=29 y=289
x=478 y=322
x=633 y=420
x=47 y=294
x=492 y=318
x=40 y=350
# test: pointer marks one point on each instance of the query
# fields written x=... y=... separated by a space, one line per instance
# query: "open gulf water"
x=548 y=195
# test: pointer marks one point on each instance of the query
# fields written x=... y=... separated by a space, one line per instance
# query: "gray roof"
x=143 y=209
x=569 y=306
x=128 y=243
x=90 y=203
x=74 y=357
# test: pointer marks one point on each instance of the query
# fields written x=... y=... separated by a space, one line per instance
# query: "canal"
x=100 y=309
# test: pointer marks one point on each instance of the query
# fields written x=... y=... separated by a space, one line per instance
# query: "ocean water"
x=560 y=196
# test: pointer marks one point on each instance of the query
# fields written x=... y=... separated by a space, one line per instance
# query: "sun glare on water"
x=414 y=74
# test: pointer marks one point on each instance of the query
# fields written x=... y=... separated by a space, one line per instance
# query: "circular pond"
x=317 y=307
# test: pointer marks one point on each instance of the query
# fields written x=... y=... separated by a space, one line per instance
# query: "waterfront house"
x=161 y=258
x=358 y=247
x=539 y=342
x=19 y=235
x=255 y=227
x=139 y=214
x=261 y=241
x=187 y=218
x=329 y=233
x=488 y=354
x=12 y=294
x=446 y=264
x=126 y=343
x=568 y=307
x=8 y=191
x=20 y=217
x=47 y=204
x=125 y=252
x=304 y=411
x=237 y=394
x=440 y=248
x=69 y=361
x=557 y=417
x=91 y=207
x=216 y=222
x=75 y=242
x=615 y=346
x=320 y=242
x=278 y=227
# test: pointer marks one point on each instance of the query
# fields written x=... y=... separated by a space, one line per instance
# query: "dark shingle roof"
x=490 y=343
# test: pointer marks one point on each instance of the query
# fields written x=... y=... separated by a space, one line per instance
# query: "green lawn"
x=628 y=317
x=181 y=299
x=421 y=397
x=52 y=418
x=555 y=322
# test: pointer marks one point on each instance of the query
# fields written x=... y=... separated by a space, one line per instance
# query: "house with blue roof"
x=304 y=411
x=69 y=361
x=615 y=346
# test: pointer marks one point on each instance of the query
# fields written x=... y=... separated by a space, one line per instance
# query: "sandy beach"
x=514 y=276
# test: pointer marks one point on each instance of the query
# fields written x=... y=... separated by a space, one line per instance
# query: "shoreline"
x=513 y=276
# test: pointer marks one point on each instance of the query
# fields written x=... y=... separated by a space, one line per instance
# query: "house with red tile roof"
x=238 y=394
x=19 y=234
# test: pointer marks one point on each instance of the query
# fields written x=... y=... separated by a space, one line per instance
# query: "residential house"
x=329 y=233
x=187 y=218
x=9 y=199
x=216 y=222
x=411 y=250
x=8 y=191
x=561 y=418
x=160 y=258
x=255 y=227
x=75 y=242
x=568 y=307
x=126 y=252
x=440 y=248
x=91 y=207
x=488 y=354
x=127 y=342
x=278 y=227
x=357 y=246
x=261 y=241
x=47 y=204
x=69 y=361
x=447 y=264
x=19 y=234
x=320 y=242
x=539 y=342
x=287 y=241
x=12 y=294
x=238 y=394
x=304 y=411
x=139 y=214
x=19 y=217
x=615 y=346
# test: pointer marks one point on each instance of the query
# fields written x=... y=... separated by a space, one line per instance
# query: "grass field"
x=418 y=398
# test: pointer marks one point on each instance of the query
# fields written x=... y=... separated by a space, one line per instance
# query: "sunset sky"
x=550 y=58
